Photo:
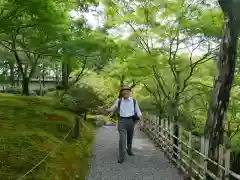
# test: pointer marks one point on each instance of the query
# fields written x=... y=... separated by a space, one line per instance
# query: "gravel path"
x=148 y=163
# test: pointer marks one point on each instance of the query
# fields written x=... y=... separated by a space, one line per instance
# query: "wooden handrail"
x=163 y=135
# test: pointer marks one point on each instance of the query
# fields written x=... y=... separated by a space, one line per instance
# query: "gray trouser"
x=125 y=128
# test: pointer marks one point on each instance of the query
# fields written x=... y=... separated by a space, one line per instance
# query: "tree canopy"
x=173 y=53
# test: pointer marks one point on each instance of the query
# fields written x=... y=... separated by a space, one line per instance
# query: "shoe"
x=120 y=161
x=130 y=153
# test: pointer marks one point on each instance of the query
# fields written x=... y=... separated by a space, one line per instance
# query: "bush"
x=82 y=99
x=38 y=92
x=51 y=89
x=13 y=90
x=105 y=88
x=18 y=91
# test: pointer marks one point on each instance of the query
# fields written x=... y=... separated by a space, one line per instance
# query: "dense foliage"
x=170 y=51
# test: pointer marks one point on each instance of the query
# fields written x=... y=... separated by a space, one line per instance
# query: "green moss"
x=30 y=128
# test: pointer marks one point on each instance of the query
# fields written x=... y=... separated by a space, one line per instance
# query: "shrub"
x=51 y=89
x=13 y=90
x=82 y=99
x=105 y=88
x=38 y=92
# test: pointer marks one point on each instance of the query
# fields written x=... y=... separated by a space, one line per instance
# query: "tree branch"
x=159 y=83
x=40 y=53
x=192 y=67
x=80 y=73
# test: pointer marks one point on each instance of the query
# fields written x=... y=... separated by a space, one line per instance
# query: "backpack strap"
x=119 y=104
x=136 y=117
x=134 y=103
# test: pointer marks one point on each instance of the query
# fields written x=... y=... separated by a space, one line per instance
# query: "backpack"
x=135 y=117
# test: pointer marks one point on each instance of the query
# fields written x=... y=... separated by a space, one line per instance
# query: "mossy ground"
x=30 y=128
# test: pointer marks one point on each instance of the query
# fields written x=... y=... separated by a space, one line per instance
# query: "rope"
x=53 y=150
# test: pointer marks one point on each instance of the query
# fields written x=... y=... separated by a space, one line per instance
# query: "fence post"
x=171 y=124
x=143 y=119
x=156 y=120
x=204 y=159
x=179 y=147
x=163 y=134
x=145 y=123
x=227 y=159
x=190 y=149
x=150 y=123
x=220 y=161
x=158 y=128
x=154 y=129
x=166 y=134
x=76 y=128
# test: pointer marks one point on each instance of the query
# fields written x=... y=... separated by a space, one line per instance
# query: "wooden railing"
x=192 y=160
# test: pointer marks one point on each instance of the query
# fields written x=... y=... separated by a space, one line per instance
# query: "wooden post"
x=77 y=128
x=166 y=134
x=154 y=126
x=220 y=162
x=163 y=132
x=158 y=127
x=179 y=147
x=227 y=163
x=143 y=122
x=190 y=149
x=171 y=134
x=151 y=123
x=156 y=120
x=146 y=122
x=204 y=150
x=227 y=156
x=202 y=157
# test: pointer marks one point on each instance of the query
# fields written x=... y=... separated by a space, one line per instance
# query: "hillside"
x=31 y=127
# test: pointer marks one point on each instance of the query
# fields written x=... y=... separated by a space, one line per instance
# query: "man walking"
x=128 y=113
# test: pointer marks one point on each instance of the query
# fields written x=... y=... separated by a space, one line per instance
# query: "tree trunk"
x=66 y=70
x=40 y=87
x=64 y=75
x=43 y=76
x=18 y=76
x=56 y=74
x=121 y=83
x=25 y=86
x=214 y=127
x=11 y=67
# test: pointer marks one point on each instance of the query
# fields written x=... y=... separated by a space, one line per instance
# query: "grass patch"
x=30 y=128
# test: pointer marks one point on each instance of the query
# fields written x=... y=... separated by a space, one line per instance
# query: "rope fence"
x=75 y=127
